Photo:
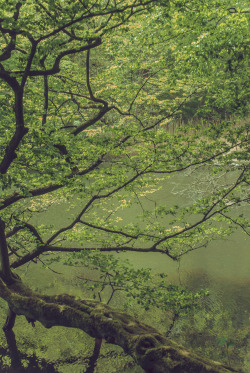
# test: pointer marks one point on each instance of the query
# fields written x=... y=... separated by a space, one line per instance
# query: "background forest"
x=124 y=159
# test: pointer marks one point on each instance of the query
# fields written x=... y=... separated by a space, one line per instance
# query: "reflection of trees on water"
x=221 y=323
x=202 y=181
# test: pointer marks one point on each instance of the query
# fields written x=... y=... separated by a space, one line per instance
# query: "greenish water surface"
x=221 y=330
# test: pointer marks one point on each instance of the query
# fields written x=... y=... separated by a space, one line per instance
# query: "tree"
x=70 y=131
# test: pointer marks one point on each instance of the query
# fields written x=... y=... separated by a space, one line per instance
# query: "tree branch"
x=25 y=225
x=90 y=122
x=46 y=189
x=20 y=132
x=96 y=197
x=56 y=67
x=5 y=271
x=150 y=349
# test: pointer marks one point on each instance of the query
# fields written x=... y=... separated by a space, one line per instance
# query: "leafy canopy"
x=89 y=93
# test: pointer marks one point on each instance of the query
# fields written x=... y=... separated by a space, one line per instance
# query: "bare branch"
x=90 y=202
x=25 y=225
x=234 y=221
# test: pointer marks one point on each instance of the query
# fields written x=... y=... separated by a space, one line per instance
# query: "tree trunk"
x=154 y=352
x=94 y=357
x=10 y=320
x=5 y=271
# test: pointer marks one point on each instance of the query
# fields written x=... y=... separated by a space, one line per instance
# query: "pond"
x=219 y=330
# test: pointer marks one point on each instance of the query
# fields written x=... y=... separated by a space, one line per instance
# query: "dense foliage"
x=91 y=94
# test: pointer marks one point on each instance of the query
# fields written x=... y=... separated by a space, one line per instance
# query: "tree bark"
x=10 y=320
x=5 y=271
x=154 y=352
x=16 y=362
x=94 y=357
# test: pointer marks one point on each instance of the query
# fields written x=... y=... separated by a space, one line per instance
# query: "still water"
x=221 y=330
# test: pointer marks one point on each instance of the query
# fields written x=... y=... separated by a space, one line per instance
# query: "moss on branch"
x=154 y=352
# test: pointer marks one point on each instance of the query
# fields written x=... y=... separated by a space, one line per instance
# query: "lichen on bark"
x=154 y=352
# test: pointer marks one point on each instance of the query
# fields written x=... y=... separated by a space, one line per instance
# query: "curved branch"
x=24 y=225
x=11 y=81
x=4 y=257
x=151 y=350
x=92 y=121
x=7 y=50
x=20 y=132
x=235 y=222
x=205 y=217
x=91 y=95
x=51 y=248
x=96 y=197
x=46 y=189
x=56 y=67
